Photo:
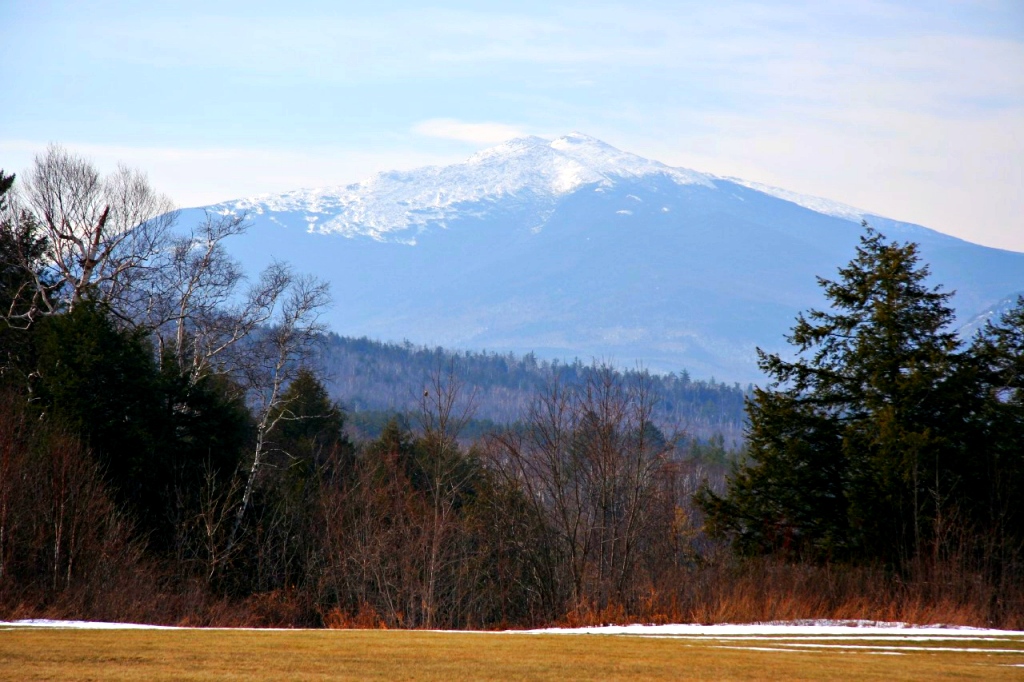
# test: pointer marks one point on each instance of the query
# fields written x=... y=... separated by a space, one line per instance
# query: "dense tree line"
x=886 y=438
x=222 y=467
x=170 y=450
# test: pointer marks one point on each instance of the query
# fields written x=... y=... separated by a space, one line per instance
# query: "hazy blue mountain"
x=572 y=248
x=991 y=313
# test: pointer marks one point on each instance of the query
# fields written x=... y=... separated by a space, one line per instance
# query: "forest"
x=376 y=380
x=181 y=444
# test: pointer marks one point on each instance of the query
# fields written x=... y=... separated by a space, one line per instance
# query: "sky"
x=912 y=110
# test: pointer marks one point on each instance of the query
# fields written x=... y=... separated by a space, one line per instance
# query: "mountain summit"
x=573 y=248
x=397 y=205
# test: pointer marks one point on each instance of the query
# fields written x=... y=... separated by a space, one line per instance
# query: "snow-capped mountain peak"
x=573 y=248
x=611 y=162
x=396 y=205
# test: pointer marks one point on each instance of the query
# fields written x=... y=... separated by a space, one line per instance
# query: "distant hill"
x=572 y=248
x=991 y=313
x=389 y=378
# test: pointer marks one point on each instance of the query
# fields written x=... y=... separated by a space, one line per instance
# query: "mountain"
x=991 y=313
x=573 y=248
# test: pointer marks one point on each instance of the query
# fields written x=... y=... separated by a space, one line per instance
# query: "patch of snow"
x=765 y=648
x=817 y=204
x=831 y=629
x=791 y=637
x=882 y=647
x=82 y=625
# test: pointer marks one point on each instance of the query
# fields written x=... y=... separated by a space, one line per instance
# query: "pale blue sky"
x=911 y=110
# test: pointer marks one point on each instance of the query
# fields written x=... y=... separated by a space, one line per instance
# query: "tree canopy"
x=883 y=437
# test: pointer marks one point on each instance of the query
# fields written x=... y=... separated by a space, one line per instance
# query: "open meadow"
x=34 y=653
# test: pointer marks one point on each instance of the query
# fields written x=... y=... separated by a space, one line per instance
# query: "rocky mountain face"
x=572 y=248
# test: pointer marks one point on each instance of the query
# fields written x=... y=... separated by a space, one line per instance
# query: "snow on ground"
x=819 y=204
x=81 y=624
x=804 y=630
x=819 y=629
x=833 y=637
x=806 y=637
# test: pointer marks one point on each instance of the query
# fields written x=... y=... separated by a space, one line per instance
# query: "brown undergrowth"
x=728 y=591
x=763 y=590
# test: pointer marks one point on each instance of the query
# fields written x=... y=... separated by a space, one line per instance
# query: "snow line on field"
x=804 y=628
x=82 y=625
x=820 y=628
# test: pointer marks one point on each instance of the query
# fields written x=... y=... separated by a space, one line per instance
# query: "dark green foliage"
x=102 y=383
x=427 y=465
x=21 y=253
x=789 y=494
x=310 y=430
x=308 y=454
x=397 y=449
x=712 y=451
x=201 y=430
x=998 y=482
x=6 y=182
x=154 y=435
x=868 y=445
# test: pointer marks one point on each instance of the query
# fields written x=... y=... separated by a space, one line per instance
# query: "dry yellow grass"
x=57 y=654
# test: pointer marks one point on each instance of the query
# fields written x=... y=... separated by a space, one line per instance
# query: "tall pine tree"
x=857 y=448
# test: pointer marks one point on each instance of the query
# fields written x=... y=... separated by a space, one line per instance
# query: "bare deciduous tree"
x=444 y=412
x=108 y=239
x=589 y=460
x=272 y=357
x=101 y=233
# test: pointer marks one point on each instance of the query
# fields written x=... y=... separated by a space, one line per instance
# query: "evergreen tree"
x=310 y=434
x=101 y=383
x=857 y=447
x=20 y=244
x=155 y=433
x=397 y=451
x=998 y=485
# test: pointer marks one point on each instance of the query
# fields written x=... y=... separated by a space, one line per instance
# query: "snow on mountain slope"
x=573 y=248
x=396 y=205
x=816 y=204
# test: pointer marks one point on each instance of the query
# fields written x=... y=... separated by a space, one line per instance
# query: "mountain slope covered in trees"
x=372 y=376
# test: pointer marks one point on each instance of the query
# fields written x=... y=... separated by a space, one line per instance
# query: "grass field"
x=190 y=654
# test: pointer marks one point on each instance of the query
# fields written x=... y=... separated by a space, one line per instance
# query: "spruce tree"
x=997 y=487
x=310 y=434
x=856 y=448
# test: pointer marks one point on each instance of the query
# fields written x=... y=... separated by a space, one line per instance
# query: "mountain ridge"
x=573 y=248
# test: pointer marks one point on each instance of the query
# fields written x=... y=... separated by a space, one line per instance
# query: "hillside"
x=369 y=376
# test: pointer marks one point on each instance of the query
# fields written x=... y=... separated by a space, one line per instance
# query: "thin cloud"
x=476 y=133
